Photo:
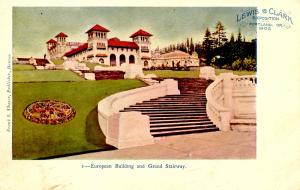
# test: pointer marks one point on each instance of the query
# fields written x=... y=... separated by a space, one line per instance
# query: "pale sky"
x=33 y=27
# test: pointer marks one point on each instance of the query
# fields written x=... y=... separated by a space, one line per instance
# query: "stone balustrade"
x=247 y=81
x=231 y=102
x=129 y=129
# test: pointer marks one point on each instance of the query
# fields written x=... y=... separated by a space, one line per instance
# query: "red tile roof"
x=23 y=59
x=97 y=27
x=77 y=50
x=41 y=62
x=115 y=42
x=61 y=35
x=140 y=32
x=51 y=41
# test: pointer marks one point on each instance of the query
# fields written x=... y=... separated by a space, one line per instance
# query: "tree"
x=187 y=45
x=239 y=37
x=220 y=34
x=207 y=45
x=192 y=47
x=231 y=38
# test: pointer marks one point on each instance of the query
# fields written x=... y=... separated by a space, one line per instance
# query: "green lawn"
x=240 y=73
x=88 y=64
x=92 y=65
x=31 y=140
x=45 y=75
x=23 y=67
x=57 y=61
x=192 y=73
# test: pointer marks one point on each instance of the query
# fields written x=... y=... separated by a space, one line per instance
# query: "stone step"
x=184 y=95
x=198 y=85
x=170 y=104
x=163 y=109
x=189 y=91
x=179 y=99
x=184 y=123
x=183 y=131
x=178 y=120
x=173 y=128
x=168 y=107
x=171 y=112
x=175 y=102
x=158 y=106
x=174 y=114
x=178 y=117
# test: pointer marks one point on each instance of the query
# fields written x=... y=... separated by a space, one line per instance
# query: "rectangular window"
x=144 y=49
x=90 y=47
x=101 y=46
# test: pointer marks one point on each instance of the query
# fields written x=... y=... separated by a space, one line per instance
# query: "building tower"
x=142 y=39
x=61 y=44
x=51 y=44
x=97 y=44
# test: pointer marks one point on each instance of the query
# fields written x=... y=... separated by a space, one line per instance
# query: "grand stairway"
x=178 y=114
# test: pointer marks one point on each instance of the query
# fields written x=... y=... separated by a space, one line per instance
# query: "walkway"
x=213 y=145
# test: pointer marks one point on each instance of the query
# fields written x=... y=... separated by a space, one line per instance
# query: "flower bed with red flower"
x=49 y=112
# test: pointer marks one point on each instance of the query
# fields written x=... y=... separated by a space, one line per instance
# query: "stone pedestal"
x=225 y=121
x=207 y=73
x=129 y=129
x=132 y=71
x=89 y=76
x=172 y=86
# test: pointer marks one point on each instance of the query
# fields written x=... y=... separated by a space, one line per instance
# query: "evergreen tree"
x=239 y=37
x=207 y=45
x=231 y=38
x=220 y=34
x=187 y=45
x=192 y=47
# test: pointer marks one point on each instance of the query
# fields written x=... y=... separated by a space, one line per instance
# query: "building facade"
x=174 y=59
x=101 y=49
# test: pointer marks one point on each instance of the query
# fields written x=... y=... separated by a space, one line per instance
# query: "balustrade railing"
x=244 y=81
x=219 y=97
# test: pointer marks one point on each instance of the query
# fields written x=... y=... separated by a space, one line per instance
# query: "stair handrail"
x=214 y=108
x=116 y=102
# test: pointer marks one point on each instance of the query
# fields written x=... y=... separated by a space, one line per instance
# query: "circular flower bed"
x=49 y=112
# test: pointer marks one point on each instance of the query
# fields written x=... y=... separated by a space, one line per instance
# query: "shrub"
x=237 y=65
x=248 y=64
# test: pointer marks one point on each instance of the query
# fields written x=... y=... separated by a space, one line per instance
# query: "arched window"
x=112 y=59
x=146 y=63
x=122 y=59
x=131 y=59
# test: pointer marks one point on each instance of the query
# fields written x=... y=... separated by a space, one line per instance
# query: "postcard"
x=143 y=96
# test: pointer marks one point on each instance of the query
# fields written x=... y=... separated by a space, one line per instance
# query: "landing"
x=214 y=145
